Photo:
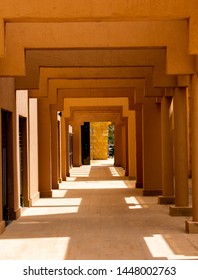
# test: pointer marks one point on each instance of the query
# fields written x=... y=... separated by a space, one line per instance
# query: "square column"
x=125 y=145
x=77 y=158
x=151 y=141
x=181 y=207
x=167 y=153
x=118 y=145
x=54 y=147
x=44 y=148
x=131 y=145
x=192 y=226
x=63 y=148
x=139 y=167
x=69 y=146
x=2 y=222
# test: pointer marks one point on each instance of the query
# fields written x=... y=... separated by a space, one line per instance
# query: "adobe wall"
x=99 y=140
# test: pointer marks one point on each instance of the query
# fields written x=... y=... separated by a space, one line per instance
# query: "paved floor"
x=98 y=217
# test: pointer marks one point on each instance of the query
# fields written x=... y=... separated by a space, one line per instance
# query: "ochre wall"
x=99 y=140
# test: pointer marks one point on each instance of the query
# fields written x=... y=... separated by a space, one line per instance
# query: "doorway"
x=7 y=167
x=85 y=143
x=23 y=161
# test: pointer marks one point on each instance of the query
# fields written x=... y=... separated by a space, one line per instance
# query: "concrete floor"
x=100 y=217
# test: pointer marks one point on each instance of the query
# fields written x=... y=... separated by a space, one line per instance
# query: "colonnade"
x=131 y=64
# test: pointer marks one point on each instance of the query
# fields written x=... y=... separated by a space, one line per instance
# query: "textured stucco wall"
x=99 y=140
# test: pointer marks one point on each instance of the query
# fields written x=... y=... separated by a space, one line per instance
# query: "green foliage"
x=111 y=134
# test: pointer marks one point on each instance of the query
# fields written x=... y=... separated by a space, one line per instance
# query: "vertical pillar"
x=2 y=222
x=63 y=148
x=192 y=226
x=118 y=145
x=139 y=171
x=59 y=149
x=151 y=142
x=33 y=151
x=44 y=148
x=54 y=147
x=181 y=154
x=125 y=145
x=77 y=161
x=68 y=148
x=189 y=117
x=15 y=210
x=167 y=153
x=131 y=145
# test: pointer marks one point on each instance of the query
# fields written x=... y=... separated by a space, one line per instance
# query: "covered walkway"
x=97 y=214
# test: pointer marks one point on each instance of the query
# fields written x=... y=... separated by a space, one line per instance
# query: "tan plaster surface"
x=99 y=217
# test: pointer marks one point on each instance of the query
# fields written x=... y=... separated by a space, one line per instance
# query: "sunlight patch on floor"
x=96 y=184
x=113 y=171
x=49 y=248
x=159 y=248
x=132 y=203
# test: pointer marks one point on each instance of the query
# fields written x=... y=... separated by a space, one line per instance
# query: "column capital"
x=183 y=80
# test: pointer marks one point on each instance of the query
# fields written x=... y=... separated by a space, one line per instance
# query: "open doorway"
x=7 y=167
x=85 y=143
x=23 y=161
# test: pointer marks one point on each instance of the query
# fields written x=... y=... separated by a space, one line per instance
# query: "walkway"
x=97 y=218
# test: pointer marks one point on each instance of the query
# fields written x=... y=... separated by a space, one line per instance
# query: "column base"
x=60 y=180
x=46 y=194
x=14 y=214
x=152 y=192
x=55 y=186
x=191 y=227
x=139 y=185
x=34 y=198
x=180 y=211
x=18 y=213
x=166 y=199
x=27 y=203
x=2 y=227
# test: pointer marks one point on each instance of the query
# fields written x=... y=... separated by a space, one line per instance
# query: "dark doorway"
x=85 y=141
x=7 y=167
x=23 y=161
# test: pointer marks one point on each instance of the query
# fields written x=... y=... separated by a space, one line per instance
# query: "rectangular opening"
x=7 y=167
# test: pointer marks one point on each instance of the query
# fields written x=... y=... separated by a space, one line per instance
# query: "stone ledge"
x=191 y=227
x=152 y=192
x=180 y=211
x=166 y=199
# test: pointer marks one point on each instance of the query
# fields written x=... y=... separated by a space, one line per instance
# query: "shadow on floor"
x=97 y=221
